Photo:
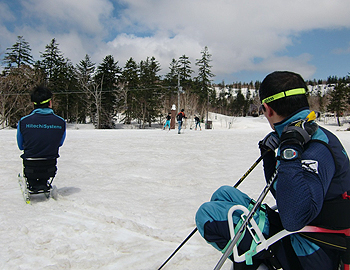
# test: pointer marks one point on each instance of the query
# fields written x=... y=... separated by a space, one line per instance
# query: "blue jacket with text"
x=40 y=134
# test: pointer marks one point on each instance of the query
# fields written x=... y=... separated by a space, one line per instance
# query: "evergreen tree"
x=60 y=78
x=185 y=70
x=171 y=77
x=151 y=93
x=70 y=102
x=338 y=100
x=19 y=54
x=257 y=85
x=248 y=101
x=129 y=86
x=84 y=71
x=204 y=78
x=204 y=73
x=106 y=77
x=239 y=104
x=171 y=84
x=53 y=63
x=92 y=91
x=332 y=79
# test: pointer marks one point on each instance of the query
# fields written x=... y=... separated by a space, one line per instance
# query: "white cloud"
x=83 y=16
x=236 y=32
x=162 y=48
x=342 y=50
x=5 y=13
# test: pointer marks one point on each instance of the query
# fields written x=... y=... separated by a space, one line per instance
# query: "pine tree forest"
x=108 y=93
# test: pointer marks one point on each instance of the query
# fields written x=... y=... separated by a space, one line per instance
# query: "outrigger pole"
x=235 y=186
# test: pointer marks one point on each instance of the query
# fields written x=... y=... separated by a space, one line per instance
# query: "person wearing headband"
x=313 y=178
x=40 y=135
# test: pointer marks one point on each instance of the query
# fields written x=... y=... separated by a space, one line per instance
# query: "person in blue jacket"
x=167 y=122
x=39 y=135
x=312 y=174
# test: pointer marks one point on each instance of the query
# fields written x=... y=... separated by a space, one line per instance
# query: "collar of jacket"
x=43 y=111
x=300 y=114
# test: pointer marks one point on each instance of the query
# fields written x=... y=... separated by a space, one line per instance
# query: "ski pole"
x=246 y=221
x=251 y=168
x=236 y=185
x=176 y=250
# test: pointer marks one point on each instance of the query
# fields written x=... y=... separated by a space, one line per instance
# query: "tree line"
x=98 y=93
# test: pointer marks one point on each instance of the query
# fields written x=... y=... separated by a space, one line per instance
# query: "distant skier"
x=167 y=123
x=179 y=118
x=39 y=135
x=198 y=122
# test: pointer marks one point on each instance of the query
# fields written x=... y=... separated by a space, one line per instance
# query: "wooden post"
x=173 y=117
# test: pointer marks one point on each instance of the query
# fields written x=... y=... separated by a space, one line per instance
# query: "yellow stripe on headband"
x=42 y=102
x=292 y=92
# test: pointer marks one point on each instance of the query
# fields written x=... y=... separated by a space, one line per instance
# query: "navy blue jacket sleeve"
x=19 y=137
x=302 y=185
x=64 y=136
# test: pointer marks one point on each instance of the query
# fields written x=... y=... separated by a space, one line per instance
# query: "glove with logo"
x=270 y=142
x=298 y=133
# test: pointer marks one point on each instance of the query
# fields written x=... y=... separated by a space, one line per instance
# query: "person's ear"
x=270 y=112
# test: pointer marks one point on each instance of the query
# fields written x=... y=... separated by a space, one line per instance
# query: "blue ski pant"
x=180 y=125
x=167 y=123
x=211 y=220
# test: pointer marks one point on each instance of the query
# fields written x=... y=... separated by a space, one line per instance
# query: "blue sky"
x=247 y=39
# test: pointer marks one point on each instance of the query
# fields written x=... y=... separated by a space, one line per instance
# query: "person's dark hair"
x=278 y=82
x=41 y=97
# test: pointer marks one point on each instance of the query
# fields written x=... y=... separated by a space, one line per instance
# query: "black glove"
x=270 y=142
x=298 y=133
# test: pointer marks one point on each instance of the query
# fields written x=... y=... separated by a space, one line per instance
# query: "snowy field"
x=126 y=197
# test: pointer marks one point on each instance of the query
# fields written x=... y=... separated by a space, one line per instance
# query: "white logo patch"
x=310 y=165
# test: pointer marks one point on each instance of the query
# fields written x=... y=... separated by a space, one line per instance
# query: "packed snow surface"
x=126 y=197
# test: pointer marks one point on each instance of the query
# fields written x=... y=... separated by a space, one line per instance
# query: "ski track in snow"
x=127 y=198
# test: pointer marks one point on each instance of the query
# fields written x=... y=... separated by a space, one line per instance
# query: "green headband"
x=42 y=102
x=292 y=92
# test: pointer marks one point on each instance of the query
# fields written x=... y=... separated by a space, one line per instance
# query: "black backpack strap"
x=327 y=240
x=335 y=214
x=335 y=241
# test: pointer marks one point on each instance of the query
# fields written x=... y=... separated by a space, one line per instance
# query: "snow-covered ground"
x=127 y=198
